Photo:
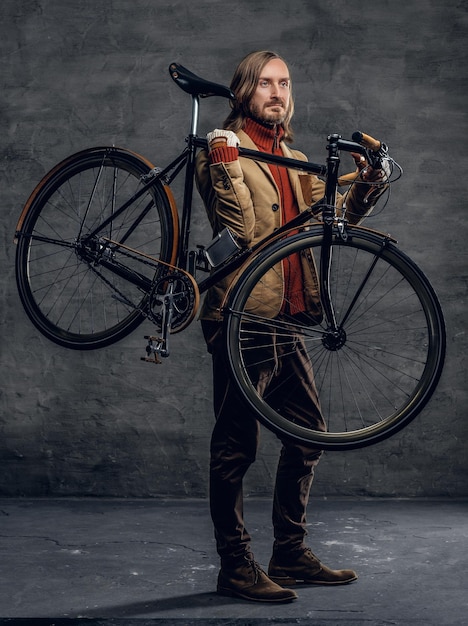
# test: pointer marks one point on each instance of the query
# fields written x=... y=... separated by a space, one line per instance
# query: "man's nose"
x=274 y=90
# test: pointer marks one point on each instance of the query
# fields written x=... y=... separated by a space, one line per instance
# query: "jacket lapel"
x=246 y=142
x=295 y=182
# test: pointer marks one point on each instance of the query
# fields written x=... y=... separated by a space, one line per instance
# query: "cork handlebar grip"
x=367 y=141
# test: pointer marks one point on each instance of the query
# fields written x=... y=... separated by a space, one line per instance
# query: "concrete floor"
x=148 y=562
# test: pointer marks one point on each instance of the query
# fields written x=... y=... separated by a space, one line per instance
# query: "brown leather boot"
x=304 y=567
x=249 y=581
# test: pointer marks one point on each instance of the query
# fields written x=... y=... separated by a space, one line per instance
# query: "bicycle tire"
x=73 y=296
x=378 y=374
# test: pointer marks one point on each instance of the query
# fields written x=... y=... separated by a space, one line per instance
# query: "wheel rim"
x=67 y=289
x=378 y=370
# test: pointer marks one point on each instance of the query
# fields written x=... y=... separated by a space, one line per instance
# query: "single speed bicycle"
x=100 y=248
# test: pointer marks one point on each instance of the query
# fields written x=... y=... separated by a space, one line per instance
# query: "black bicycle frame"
x=187 y=159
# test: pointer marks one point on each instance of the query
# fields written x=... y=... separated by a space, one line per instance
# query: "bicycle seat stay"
x=196 y=86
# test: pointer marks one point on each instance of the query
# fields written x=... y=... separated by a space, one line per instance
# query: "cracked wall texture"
x=84 y=73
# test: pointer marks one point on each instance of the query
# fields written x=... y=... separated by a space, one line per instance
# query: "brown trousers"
x=235 y=441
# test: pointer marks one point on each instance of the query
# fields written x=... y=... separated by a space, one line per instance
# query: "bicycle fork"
x=328 y=215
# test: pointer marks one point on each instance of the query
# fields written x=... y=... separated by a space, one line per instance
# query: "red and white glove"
x=218 y=138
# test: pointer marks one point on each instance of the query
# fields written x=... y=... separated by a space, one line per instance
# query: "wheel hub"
x=94 y=251
x=334 y=339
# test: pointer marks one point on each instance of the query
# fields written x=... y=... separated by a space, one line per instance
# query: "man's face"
x=270 y=101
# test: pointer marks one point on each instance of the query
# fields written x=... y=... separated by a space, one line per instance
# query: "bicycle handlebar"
x=367 y=141
x=376 y=150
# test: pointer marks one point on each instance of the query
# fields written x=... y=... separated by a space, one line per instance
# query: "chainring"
x=185 y=299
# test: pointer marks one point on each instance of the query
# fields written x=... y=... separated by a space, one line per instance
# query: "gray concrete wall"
x=80 y=73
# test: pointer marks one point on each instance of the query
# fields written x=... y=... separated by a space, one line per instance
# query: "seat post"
x=195 y=112
x=188 y=186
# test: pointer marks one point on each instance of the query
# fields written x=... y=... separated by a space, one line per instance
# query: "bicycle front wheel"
x=373 y=374
x=79 y=290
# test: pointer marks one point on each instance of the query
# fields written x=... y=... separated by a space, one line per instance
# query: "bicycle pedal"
x=155 y=360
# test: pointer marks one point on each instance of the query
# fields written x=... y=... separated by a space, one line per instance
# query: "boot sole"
x=287 y=581
x=236 y=594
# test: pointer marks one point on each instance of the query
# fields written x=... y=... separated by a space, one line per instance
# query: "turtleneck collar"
x=266 y=138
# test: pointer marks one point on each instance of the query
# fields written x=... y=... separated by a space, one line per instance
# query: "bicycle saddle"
x=196 y=86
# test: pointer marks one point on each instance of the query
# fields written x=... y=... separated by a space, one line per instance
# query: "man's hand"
x=367 y=173
x=217 y=138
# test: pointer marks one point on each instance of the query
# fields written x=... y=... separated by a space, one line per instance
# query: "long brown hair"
x=244 y=83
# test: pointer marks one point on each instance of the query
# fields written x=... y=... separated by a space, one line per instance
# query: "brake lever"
x=376 y=150
x=375 y=158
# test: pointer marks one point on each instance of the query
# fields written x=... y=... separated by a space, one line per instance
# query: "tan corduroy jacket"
x=242 y=195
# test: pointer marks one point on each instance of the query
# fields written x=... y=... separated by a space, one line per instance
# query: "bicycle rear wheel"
x=375 y=374
x=79 y=290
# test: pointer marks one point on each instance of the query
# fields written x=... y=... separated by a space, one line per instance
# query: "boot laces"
x=256 y=569
x=308 y=552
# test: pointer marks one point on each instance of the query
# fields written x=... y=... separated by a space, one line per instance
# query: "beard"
x=264 y=116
